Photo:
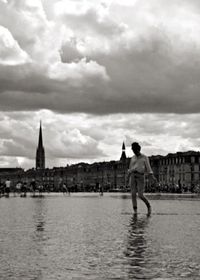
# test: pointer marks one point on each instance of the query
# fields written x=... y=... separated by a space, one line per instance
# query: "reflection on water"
x=39 y=215
x=92 y=237
x=38 y=236
x=137 y=254
x=136 y=244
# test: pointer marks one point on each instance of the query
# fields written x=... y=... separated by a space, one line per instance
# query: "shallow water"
x=91 y=237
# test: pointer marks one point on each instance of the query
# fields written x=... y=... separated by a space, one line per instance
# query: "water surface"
x=85 y=236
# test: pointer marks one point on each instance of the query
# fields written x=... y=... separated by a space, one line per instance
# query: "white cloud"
x=64 y=139
x=10 y=51
x=8 y=162
x=79 y=137
x=77 y=71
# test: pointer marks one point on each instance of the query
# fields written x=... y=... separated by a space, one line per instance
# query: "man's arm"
x=129 y=172
x=148 y=166
x=128 y=176
x=149 y=170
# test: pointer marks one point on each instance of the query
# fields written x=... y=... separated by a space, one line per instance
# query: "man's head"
x=136 y=148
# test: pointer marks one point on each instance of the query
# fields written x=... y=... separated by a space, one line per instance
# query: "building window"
x=192 y=159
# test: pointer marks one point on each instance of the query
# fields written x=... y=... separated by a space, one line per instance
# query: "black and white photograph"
x=99 y=139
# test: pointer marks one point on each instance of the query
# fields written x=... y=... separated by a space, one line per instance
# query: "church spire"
x=40 y=142
x=123 y=155
x=40 y=153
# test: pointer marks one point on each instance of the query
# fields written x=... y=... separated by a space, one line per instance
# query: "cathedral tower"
x=123 y=155
x=40 y=153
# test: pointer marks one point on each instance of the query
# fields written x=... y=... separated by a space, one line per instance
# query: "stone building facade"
x=179 y=170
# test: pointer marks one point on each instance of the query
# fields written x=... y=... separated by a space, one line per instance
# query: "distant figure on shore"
x=1 y=189
x=23 y=189
x=139 y=166
x=100 y=189
x=33 y=186
x=69 y=189
x=17 y=188
x=64 y=188
x=7 y=187
x=40 y=189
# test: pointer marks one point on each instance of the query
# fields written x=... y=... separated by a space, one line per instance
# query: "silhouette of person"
x=139 y=166
x=7 y=186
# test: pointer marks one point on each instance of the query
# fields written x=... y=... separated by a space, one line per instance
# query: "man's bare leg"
x=134 y=199
x=145 y=200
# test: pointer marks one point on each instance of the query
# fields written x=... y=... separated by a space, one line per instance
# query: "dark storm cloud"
x=23 y=87
x=132 y=70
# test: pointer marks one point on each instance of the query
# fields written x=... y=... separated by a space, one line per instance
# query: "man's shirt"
x=140 y=164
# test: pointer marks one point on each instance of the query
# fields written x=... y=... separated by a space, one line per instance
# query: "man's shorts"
x=137 y=183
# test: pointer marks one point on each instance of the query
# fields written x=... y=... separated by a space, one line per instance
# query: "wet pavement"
x=87 y=236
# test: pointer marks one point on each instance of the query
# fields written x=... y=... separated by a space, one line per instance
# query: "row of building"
x=178 y=171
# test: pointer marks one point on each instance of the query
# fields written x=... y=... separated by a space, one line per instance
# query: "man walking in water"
x=139 y=166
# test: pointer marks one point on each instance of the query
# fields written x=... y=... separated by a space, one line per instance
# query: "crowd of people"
x=37 y=188
x=22 y=188
x=175 y=188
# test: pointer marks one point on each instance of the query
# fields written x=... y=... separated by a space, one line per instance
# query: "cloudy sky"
x=97 y=73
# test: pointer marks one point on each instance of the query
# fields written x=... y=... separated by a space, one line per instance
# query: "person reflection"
x=39 y=219
x=136 y=245
x=39 y=238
